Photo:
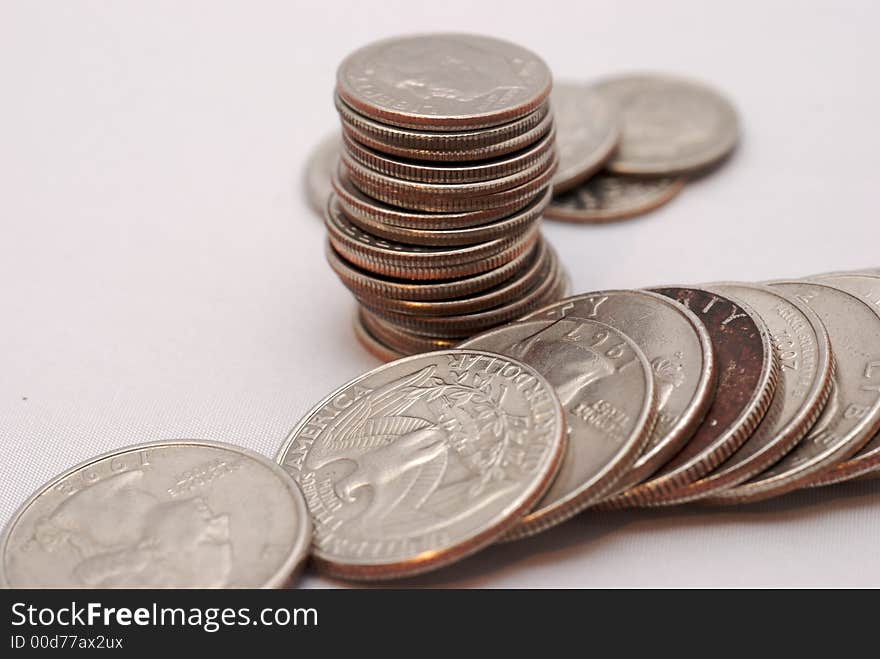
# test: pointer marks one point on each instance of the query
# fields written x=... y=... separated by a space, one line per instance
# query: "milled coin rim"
x=778 y=485
x=437 y=558
x=283 y=577
x=441 y=122
x=542 y=518
x=798 y=426
x=371 y=344
x=654 y=490
x=670 y=192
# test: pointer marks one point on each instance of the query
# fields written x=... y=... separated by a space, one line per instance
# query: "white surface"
x=161 y=275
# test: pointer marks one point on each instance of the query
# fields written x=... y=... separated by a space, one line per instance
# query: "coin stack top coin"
x=448 y=154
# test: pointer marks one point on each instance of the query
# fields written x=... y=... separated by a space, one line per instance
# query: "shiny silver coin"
x=389 y=138
x=852 y=415
x=806 y=367
x=587 y=133
x=606 y=388
x=443 y=81
x=611 y=198
x=319 y=171
x=176 y=514
x=867 y=461
x=669 y=125
x=451 y=173
x=425 y=460
x=464 y=152
x=678 y=347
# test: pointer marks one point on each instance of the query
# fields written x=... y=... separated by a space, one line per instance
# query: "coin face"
x=443 y=81
x=319 y=172
x=747 y=376
x=606 y=388
x=182 y=514
x=678 y=347
x=424 y=460
x=803 y=351
x=669 y=125
x=852 y=414
x=587 y=133
x=608 y=198
x=867 y=288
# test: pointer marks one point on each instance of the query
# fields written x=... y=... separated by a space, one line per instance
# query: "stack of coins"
x=445 y=170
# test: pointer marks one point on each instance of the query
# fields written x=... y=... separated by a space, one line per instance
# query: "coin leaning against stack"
x=447 y=157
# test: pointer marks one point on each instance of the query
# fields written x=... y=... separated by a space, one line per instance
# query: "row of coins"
x=726 y=393
x=434 y=216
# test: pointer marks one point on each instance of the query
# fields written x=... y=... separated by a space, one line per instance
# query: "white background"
x=161 y=275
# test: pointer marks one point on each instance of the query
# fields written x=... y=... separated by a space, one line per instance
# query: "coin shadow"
x=589 y=530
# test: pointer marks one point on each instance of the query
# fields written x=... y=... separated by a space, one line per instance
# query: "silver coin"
x=867 y=461
x=852 y=415
x=606 y=388
x=425 y=460
x=806 y=367
x=320 y=170
x=669 y=125
x=678 y=347
x=177 y=514
x=443 y=81
x=587 y=132
x=610 y=198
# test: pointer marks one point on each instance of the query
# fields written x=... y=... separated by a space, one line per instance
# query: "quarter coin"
x=806 y=366
x=373 y=345
x=852 y=415
x=609 y=198
x=747 y=376
x=606 y=388
x=443 y=82
x=425 y=460
x=587 y=133
x=677 y=345
x=670 y=126
x=176 y=514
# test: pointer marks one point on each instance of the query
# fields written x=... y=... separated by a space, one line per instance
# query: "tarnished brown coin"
x=587 y=132
x=443 y=82
x=362 y=282
x=670 y=126
x=320 y=168
x=452 y=173
x=388 y=139
x=851 y=417
x=608 y=198
x=170 y=514
x=508 y=226
x=399 y=339
x=867 y=461
x=747 y=376
x=806 y=367
x=606 y=388
x=425 y=460
x=678 y=347
x=464 y=153
x=368 y=211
